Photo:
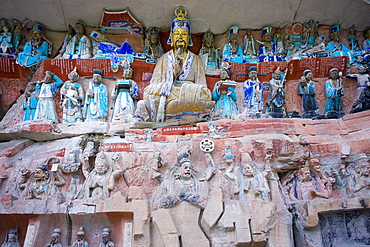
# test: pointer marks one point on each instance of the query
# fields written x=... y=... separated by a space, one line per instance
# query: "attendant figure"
x=232 y=51
x=153 y=46
x=80 y=45
x=55 y=239
x=334 y=92
x=80 y=241
x=362 y=97
x=209 y=55
x=253 y=94
x=309 y=34
x=106 y=239
x=353 y=40
x=335 y=47
x=96 y=99
x=307 y=89
x=178 y=83
x=6 y=40
x=279 y=42
x=366 y=42
x=29 y=103
x=275 y=105
x=224 y=94
x=72 y=96
x=17 y=34
x=250 y=53
x=46 y=97
x=71 y=32
x=11 y=239
x=267 y=48
x=35 y=50
x=124 y=96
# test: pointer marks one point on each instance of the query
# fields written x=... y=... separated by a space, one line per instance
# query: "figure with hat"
x=153 y=47
x=366 y=42
x=71 y=32
x=335 y=47
x=106 y=238
x=209 y=54
x=80 y=45
x=124 y=95
x=55 y=238
x=232 y=51
x=11 y=239
x=250 y=53
x=334 y=92
x=178 y=83
x=267 y=48
x=80 y=241
x=224 y=93
x=96 y=99
x=275 y=105
x=72 y=96
x=35 y=50
x=253 y=94
x=307 y=89
x=5 y=38
x=45 y=108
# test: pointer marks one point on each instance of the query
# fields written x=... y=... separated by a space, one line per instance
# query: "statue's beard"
x=179 y=51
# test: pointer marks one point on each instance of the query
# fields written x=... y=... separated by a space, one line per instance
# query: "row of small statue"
x=77 y=107
x=11 y=239
x=272 y=48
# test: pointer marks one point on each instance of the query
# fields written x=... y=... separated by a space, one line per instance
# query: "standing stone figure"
x=307 y=89
x=208 y=53
x=362 y=97
x=80 y=241
x=178 y=83
x=224 y=94
x=106 y=239
x=11 y=239
x=96 y=99
x=275 y=105
x=253 y=94
x=46 y=97
x=267 y=49
x=72 y=96
x=334 y=92
x=153 y=46
x=55 y=239
x=250 y=53
x=29 y=103
x=124 y=96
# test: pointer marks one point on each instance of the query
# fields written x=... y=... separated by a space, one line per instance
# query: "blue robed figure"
x=253 y=94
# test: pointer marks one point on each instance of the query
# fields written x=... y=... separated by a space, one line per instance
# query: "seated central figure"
x=178 y=84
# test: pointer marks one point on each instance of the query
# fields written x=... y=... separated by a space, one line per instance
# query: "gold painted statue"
x=178 y=84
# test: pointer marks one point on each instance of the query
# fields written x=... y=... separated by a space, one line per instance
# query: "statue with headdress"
x=336 y=48
x=96 y=99
x=79 y=46
x=275 y=105
x=334 y=91
x=72 y=96
x=178 y=83
x=11 y=239
x=80 y=240
x=106 y=238
x=153 y=46
x=209 y=54
x=232 y=51
x=5 y=38
x=48 y=88
x=307 y=89
x=253 y=94
x=55 y=238
x=224 y=93
x=124 y=95
x=35 y=50
x=267 y=49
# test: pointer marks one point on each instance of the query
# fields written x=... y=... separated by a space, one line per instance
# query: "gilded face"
x=185 y=170
x=180 y=37
x=36 y=35
x=127 y=74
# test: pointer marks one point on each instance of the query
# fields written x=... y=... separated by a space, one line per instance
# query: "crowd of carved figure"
x=178 y=84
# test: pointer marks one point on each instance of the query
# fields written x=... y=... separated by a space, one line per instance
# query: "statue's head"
x=224 y=74
x=153 y=35
x=74 y=76
x=106 y=235
x=367 y=33
x=55 y=237
x=208 y=39
x=335 y=32
x=180 y=30
x=308 y=74
x=80 y=234
x=334 y=73
x=80 y=27
x=266 y=34
x=41 y=173
x=101 y=163
x=252 y=72
x=97 y=75
x=37 y=30
x=12 y=235
x=247 y=165
x=315 y=165
x=233 y=35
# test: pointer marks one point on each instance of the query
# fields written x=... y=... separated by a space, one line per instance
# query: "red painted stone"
x=180 y=130
x=116 y=147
